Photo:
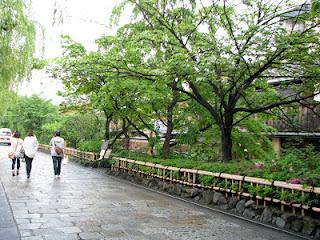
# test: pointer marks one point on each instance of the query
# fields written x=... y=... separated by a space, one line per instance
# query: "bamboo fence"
x=289 y=195
x=230 y=184
x=73 y=153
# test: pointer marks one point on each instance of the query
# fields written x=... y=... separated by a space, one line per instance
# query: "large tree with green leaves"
x=86 y=83
x=31 y=113
x=137 y=105
x=17 y=33
x=224 y=54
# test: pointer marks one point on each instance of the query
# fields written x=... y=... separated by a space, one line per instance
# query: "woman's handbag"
x=21 y=153
x=11 y=155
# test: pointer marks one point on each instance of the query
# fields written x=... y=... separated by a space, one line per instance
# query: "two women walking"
x=28 y=147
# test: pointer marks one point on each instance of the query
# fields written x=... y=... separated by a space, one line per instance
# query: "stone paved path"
x=87 y=204
x=8 y=228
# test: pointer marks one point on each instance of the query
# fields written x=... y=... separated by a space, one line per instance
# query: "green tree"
x=31 y=113
x=134 y=104
x=222 y=58
x=17 y=34
x=85 y=82
x=79 y=127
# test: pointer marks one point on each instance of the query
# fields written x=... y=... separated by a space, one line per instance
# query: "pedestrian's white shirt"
x=56 y=142
x=30 y=146
x=16 y=145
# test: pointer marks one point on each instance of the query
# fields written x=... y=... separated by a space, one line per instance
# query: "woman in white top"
x=30 y=146
x=16 y=145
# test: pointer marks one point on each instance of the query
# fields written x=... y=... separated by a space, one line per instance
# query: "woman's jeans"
x=14 y=161
x=28 y=164
x=56 y=164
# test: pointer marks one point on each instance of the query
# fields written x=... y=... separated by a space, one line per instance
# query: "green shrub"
x=295 y=162
x=252 y=190
x=235 y=186
x=286 y=195
x=206 y=180
x=204 y=152
x=268 y=191
x=90 y=146
x=298 y=163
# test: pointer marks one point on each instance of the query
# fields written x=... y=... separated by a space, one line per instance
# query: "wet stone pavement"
x=87 y=204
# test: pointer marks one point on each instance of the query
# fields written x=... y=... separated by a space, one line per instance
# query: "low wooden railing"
x=284 y=194
x=73 y=153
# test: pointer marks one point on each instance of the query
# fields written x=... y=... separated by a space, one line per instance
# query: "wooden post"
x=282 y=206
x=240 y=185
x=225 y=185
x=293 y=208
x=232 y=182
x=194 y=180
x=302 y=209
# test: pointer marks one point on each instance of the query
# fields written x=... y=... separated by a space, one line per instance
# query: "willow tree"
x=223 y=54
x=17 y=34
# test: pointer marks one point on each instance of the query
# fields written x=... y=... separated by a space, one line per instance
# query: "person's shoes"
x=17 y=172
x=28 y=176
x=13 y=174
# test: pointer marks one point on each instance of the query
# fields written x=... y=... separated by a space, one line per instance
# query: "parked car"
x=5 y=136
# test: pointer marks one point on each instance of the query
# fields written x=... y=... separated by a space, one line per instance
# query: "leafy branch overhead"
x=223 y=59
x=231 y=59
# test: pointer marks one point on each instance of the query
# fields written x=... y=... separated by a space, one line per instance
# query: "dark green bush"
x=206 y=180
x=90 y=146
x=293 y=163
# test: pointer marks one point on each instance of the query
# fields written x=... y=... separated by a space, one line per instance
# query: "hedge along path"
x=295 y=196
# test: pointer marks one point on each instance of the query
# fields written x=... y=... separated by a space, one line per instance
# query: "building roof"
x=297 y=134
x=298 y=10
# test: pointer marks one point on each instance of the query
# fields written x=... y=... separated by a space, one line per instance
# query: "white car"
x=5 y=136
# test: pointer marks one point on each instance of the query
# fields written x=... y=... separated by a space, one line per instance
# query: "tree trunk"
x=126 y=141
x=107 y=130
x=226 y=144
x=168 y=136
x=170 y=124
x=107 y=126
x=226 y=137
x=125 y=130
